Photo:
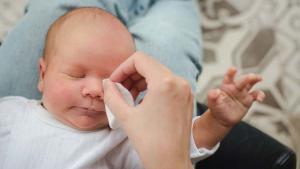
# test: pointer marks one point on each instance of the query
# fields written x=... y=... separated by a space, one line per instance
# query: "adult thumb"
x=114 y=100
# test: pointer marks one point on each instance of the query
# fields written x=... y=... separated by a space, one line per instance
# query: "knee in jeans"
x=164 y=35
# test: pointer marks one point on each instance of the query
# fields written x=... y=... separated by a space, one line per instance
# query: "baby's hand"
x=230 y=103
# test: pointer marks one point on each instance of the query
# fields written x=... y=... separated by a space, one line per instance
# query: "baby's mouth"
x=84 y=111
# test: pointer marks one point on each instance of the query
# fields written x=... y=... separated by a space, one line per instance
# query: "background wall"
x=255 y=36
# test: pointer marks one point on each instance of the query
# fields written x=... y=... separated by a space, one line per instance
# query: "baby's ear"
x=42 y=70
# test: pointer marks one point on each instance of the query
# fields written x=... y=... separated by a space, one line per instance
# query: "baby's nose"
x=93 y=88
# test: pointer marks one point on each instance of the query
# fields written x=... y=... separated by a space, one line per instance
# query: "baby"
x=68 y=128
x=82 y=48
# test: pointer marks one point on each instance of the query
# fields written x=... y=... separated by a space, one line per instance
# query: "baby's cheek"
x=66 y=91
x=60 y=92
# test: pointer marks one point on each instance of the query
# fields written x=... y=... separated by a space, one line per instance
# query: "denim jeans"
x=168 y=30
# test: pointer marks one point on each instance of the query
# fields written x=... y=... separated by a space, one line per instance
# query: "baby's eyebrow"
x=76 y=68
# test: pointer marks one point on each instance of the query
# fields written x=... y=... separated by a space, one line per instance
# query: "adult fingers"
x=114 y=100
x=139 y=63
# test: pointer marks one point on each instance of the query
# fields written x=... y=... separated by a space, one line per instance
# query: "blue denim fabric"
x=168 y=30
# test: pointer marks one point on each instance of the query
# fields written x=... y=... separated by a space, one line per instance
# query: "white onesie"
x=31 y=138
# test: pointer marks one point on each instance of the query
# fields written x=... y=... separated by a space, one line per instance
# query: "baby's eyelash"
x=77 y=76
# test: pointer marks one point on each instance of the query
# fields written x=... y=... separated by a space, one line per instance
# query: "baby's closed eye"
x=76 y=75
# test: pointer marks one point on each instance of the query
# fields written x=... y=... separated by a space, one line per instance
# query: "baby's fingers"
x=229 y=76
x=213 y=95
x=248 y=81
x=258 y=95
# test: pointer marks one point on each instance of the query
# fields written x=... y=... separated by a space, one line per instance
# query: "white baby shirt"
x=31 y=138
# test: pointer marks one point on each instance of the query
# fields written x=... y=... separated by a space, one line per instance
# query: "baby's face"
x=71 y=82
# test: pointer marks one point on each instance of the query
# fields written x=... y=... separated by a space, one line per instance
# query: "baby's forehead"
x=88 y=21
x=86 y=18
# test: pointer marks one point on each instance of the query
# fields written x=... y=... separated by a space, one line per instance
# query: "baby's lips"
x=98 y=107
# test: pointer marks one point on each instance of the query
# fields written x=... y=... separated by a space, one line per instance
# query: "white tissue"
x=112 y=120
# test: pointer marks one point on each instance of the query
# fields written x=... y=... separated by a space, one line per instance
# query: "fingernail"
x=251 y=76
x=218 y=91
x=105 y=83
x=233 y=68
x=261 y=97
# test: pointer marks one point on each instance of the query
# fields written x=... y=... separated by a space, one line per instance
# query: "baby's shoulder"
x=10 y=108
x=12 y=101
x=12 y=104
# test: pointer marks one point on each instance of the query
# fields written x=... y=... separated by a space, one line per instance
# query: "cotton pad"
x=112 y=120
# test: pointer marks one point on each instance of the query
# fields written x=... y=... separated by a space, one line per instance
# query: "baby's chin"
x=86 y=123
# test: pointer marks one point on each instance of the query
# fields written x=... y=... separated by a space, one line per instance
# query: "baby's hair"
x=77 y=14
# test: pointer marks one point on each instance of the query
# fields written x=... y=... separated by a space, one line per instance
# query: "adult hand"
x=159 y=127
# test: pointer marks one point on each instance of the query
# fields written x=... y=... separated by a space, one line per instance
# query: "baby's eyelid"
x=73 y=75
x=79 y=76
